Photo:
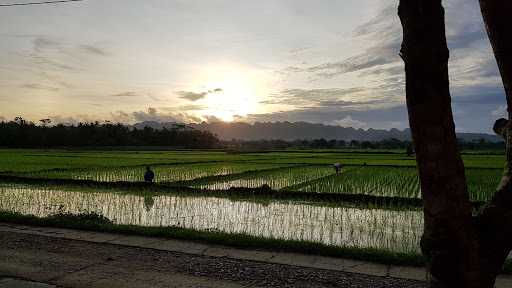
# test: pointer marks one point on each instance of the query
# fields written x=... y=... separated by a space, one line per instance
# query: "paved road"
x=75 y=263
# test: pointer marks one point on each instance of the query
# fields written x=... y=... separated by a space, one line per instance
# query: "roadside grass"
x=98 y=223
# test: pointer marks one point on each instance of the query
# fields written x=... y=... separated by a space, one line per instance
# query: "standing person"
x=337 y=167
x=149 y=175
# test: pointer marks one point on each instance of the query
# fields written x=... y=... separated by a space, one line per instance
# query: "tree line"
x=386 y=144
x=24 y=134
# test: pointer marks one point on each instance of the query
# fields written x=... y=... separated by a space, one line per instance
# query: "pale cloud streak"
x=125 y=94
x=35 y=86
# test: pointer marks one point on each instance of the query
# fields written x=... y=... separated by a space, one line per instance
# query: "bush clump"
x=84 y=218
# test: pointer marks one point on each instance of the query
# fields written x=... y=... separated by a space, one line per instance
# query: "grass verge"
x=99 y=223
x=95 y=222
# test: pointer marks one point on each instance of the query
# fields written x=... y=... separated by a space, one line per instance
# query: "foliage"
x=321 y=143
x=26 y=134
x=85 y=218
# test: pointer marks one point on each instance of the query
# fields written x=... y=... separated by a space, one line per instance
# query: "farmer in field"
x=337 y=167
x=149 y=175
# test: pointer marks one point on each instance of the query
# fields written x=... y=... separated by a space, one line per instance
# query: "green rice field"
x=48 y=182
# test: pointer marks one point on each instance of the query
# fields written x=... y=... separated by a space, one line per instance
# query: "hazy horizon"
x=333 y=62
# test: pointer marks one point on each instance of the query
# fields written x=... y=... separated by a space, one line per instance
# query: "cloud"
x=41 y=43
x=380 y=40
x=475 y=81
x=213 y=119
x=360 y=98
x=379 y=118
x=500 y=112
x=120 y=116
x=353 y=64
x=93 y=50
x=50 y=54
x=46 y=63
x=152 y=114
x=349 y=122
x=380 y=22
x=322 y=93
x=191 y=96
x=73 y=120
x=478 y=95
x=348 y=104
x=125 y=94
x=308 y=97
x=194 y=96
x=40 y=87
x=191 y=107
x=386 y=71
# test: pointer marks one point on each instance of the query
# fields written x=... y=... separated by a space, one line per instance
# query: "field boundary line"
x=210 y=250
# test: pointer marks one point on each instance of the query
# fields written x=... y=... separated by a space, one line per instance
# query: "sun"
x=232 y=93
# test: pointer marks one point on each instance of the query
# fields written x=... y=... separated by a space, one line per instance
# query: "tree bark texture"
x=464 y=248
x=494 y=223
x=498 y=22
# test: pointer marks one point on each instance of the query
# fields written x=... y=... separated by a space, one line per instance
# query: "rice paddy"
x=367 y=225
x=396 y=231
x=163 y=173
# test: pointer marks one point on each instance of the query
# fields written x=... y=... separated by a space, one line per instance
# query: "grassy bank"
x=95 y=222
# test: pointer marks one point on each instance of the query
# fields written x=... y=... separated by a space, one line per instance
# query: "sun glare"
x=232 y=93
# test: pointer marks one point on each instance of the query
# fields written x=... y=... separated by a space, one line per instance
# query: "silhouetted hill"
x=302 y=130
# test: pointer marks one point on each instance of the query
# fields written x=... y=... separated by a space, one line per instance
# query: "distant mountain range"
x=300 y=130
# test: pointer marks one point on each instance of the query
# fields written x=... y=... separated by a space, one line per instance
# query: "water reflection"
x=392 y=230
x=148 y=202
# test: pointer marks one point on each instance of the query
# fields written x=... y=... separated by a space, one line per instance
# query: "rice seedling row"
x=162 y=173
x=396 y=182
x=275 y=179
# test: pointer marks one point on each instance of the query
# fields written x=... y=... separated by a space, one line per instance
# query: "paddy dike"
x=72 y=258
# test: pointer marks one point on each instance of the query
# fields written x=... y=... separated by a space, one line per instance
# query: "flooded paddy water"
x=392 y=230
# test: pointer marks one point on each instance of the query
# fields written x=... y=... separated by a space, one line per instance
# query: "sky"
x=332 y=61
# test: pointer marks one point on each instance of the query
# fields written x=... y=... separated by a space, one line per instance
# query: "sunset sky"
x=331 y=62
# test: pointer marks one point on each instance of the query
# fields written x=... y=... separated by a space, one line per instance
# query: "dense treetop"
x=20 y=133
